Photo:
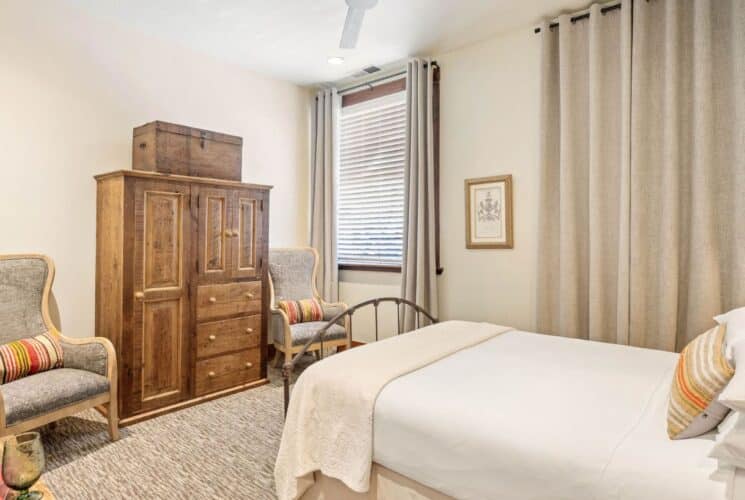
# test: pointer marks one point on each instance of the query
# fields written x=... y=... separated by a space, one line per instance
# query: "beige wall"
x=489 y=126
x=72 y=89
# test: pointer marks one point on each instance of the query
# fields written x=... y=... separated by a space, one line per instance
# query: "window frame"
x=382 y=90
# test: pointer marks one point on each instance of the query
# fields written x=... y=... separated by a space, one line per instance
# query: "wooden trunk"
x=181 y=287
x=177 y=149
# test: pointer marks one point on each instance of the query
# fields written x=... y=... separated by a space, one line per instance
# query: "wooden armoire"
x=181 y=287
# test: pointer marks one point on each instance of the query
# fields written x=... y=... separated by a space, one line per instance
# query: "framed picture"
x=489 y=212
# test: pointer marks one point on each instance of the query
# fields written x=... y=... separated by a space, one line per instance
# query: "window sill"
x=377 y=268
x=370 y=267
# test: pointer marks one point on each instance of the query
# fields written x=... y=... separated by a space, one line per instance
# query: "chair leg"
x=317 y=354
x=277 y=358
x=113 y=417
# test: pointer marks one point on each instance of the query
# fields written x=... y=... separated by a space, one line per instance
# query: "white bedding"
x=529 y=416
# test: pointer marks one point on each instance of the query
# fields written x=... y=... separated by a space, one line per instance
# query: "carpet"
x=222 y=449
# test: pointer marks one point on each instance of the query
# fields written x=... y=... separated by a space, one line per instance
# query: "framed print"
x=489 y=212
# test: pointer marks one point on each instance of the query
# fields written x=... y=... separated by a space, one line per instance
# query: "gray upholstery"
x=301 y=332
x=292 y=271
x=48 y=391
x=277 y=327
x=92 y=357
x=331 y=310
x=21 y=290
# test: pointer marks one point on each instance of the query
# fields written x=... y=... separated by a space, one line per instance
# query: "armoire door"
x=247 y=222
x=215 y=235
x=159 y=349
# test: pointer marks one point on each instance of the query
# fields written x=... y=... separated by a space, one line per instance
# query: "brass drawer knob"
x=139 y=295
x=211 y=337
x=249 y=330
x=249 y=295
x=249 y=364
x=213 y=300
x=236 y=233
x=228 y=233
x=211 y=374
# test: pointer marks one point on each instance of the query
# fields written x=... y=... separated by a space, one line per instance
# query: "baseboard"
x=191 y=402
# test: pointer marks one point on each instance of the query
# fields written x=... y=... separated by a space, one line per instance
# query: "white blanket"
x=329 y=422
x=529 y=416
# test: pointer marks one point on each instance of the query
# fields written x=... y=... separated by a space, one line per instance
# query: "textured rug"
x=222 y=449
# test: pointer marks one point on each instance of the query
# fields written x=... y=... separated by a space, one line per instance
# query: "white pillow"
x=730 y=441
x=735 y=321
x=733 y=394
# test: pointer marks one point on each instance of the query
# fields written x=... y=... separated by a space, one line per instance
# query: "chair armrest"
x=91 y=354
x=279 y=326
x=331 y=309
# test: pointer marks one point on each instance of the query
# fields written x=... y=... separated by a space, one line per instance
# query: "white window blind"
x=371 y=181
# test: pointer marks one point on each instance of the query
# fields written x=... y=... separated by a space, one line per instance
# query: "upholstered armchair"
x=292 y=276
x=88 y=376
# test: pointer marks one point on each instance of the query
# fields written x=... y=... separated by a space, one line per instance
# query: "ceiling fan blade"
x=352 y=27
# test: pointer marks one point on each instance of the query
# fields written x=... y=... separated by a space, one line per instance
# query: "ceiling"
x=292 y=39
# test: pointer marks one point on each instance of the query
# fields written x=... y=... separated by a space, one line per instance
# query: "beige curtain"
x=687 y=168
x=582 y=285
x=643 y=180
x=324 y=156
x=418 y=270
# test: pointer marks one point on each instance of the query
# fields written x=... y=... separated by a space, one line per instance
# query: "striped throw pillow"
x=702 y=372
x=25 y=357
x=301 y=311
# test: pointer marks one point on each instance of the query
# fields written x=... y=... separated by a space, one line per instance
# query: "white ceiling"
x=292 y=39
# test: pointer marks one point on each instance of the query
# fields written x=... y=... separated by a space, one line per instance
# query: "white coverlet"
x=529 y=416
x=329 y=422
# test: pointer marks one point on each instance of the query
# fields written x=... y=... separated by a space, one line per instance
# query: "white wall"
x=71 y=90
x=489 y=98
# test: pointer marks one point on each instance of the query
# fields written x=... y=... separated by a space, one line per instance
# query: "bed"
x=506 y=415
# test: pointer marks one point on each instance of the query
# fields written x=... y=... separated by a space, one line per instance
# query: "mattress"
x=530 y=416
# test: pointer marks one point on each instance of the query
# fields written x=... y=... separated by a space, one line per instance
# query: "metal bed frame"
x=289 y=367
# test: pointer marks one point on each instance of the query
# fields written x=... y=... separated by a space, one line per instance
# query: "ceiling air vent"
x=365 y=72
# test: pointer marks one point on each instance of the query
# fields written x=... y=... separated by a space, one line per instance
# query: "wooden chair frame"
x=108 y=400
x=288 y=353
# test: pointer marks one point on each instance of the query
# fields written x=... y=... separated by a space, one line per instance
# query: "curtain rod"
x=584 y=15
x=376 y=81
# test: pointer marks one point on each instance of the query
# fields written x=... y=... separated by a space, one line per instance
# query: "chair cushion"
x=301 y=332
x=47 y=391
x=301 y=311
x=24 y=357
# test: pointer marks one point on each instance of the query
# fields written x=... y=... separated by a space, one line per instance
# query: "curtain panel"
x=418 y=267
x=584 y=177
x=687 y=168
x=324 y=158
x=642 y=172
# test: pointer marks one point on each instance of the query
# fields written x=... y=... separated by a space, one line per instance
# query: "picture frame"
x=489 y=212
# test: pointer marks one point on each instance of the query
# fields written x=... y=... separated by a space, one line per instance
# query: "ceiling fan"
x=353 y=23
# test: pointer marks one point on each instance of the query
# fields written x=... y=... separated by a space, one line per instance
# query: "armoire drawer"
x=219 y=337
x=230 y=370
x=230 y=299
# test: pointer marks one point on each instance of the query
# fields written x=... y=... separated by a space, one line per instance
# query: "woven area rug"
x=222 y=449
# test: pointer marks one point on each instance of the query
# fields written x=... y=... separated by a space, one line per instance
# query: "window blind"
x=371 y=181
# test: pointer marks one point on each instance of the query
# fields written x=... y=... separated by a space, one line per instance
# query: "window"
x=370 y=207
x=371 y=181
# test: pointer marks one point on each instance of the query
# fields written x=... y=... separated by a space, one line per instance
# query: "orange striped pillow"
x=702 y=372
x=301 y=311
x=24 y=357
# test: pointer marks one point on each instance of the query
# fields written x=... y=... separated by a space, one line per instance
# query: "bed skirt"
x=384 y=485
